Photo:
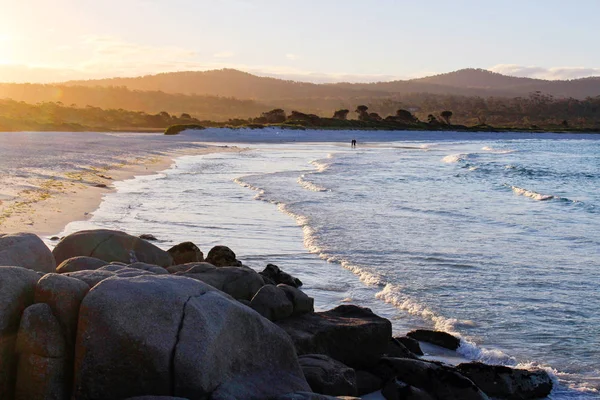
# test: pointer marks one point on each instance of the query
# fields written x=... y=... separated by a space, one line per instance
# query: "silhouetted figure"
x=353 y=142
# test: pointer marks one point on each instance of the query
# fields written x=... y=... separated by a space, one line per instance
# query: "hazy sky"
x=326 y=40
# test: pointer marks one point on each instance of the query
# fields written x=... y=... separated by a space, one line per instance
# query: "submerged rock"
x=508 y=383
x=110 y=245
x=350 y=334
x=26 y=250
x=440 y=381
x=438 y=338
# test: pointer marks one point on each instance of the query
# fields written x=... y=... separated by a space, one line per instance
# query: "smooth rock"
x=397 y=349
x=438 y=338
x=156 y=398
x=222 y=256
x=193 y=268
x=80 y=263
x=155 y=269
x=240 y=283
x=148 y=236
x=275 y=274
x=508 y=383
x=411 y=344
x=350 y=334
x=64 y=295
x=110 y=245
x=41 y=378
x=26 y=250
x=176 y=347
x=367 y=382
x=328 y=376
x=312 y=396
x=40 y=333
x=91 y=278
x=440 y=381
x=186 y=252
x=272 y=303
x=125 y=271
x=17 y=286
x=398 y=390
x=303 y=304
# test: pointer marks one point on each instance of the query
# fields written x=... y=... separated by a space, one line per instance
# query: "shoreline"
x=51 y=204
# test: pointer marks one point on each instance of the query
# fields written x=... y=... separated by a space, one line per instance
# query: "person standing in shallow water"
x=353 y=143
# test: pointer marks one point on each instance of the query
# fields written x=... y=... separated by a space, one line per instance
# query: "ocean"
x=493 y=237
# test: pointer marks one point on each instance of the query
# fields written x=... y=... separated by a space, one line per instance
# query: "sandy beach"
x=47 y=205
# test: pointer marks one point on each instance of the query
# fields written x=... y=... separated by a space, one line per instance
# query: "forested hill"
x=242 y=85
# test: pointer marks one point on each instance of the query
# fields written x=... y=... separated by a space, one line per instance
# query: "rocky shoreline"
x=107 y=315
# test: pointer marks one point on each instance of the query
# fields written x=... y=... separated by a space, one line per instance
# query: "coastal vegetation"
x=468 y=98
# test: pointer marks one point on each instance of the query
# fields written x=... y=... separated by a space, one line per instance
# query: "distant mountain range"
x=242 y=85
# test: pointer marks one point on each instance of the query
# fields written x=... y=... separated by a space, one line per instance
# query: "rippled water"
x=495 y=240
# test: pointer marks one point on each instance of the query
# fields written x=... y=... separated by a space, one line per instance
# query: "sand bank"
x=48 y=205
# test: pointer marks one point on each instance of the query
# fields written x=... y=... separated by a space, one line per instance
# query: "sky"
x=316 y=41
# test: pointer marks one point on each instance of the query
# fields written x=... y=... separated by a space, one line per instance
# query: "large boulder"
x=398 y=390
x=350 y=334
x=42 y=363
x=17 y=287
x=396 y=349
x=91 y=278
x=438 y=338
x=155 y=269
x=110 y=245
x=240 y=283
x=440 y=381
x=508 y=383
x=303 y=304
x=328 y=376
x=186 y=252
x=222 y=256
x=272 y=303
x=274 y=274
x=191 y=341
x=26 y=250
x=80 y=263
x=367 y=382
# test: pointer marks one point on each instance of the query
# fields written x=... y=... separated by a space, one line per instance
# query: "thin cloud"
x=553 y=73
x=291 y=56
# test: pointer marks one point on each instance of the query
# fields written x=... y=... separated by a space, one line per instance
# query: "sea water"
x=493 y=237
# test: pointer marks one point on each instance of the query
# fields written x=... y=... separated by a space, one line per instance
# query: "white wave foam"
x=532 y=194
x=308 y=185
x=320 y=165
x=496 y=151
x=454 y=158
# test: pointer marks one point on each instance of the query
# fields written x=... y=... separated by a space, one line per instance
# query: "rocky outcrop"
x=367 y=382
x=222 y=256
x=17 y=287
x=42 y=356
x=438 y=338
x=302 y=303
x=80 y=263
x=91 y=278
x=328 y=376
x=110 y=245
x=26 y=250
x=186 y=252
x=398 y=350
x=191 y=341
x=272 y=303
x=240 y=283
x=508 y=383
x=350 y=334
x=411 y=344
x=440 y=381
x=275 y=275
x=398 y=390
